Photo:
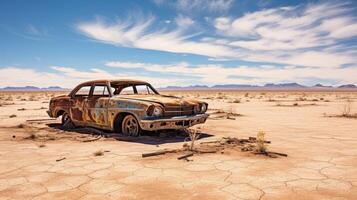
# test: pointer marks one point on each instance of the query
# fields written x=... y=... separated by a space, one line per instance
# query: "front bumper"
x=179 y=122
x=49 y=113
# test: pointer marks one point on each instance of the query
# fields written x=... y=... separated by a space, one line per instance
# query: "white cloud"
x=310 y=35
x=137 y=34
x=209 y=5
x=13 y=76
x=218 y=74
x=35 y=31
x=69 y=77
x=183 y=21
x=179 y=74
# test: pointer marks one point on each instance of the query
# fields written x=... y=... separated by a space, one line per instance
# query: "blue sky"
x=183 y=42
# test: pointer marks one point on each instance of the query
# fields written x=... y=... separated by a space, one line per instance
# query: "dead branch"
x=157 y=153
x=185 y=156
x=60 y=159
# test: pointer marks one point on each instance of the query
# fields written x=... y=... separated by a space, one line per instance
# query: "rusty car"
x=126 y=106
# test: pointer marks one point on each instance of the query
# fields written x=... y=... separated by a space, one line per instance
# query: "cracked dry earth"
x=322 y=161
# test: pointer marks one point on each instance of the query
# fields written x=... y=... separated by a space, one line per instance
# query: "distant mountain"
x=32 y=88
x=348 y=86
x=233 y=86
x=322 y=86
x=269 y=86
x=191 y=87
x=284 y=85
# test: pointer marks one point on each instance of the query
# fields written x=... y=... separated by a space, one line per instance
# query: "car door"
x=96 y=106
x=78 y=99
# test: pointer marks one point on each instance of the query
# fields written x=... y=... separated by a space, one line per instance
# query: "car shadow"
x=146 y=137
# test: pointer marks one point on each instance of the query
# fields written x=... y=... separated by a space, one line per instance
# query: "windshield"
x=130 y=89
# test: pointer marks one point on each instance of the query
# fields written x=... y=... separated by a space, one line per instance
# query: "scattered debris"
x=185 y=156
x=98 y=153
x=60 y=159
x=92 y=139
x=256 y=145
x=39 y=120
x=295 y=105
x=220 y=114
x=236 y=101
x=349 y=116
x=156 y=153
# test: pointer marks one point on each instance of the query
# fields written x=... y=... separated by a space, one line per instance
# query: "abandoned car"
x=126 y=106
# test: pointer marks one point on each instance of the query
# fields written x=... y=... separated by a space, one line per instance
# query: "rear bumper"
x=173 y=123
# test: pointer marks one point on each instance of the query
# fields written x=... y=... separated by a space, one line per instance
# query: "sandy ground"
x=40 y=161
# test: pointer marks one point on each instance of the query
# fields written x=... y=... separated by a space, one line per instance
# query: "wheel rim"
x=130 y=126
x=65 y=119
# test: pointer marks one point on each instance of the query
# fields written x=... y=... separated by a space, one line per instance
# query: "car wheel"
x=67 y=121
x=130 y=126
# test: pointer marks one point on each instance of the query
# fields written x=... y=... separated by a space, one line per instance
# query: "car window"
x=127 y=90
x=83 y=91
x=100 y=90
x=144 y=89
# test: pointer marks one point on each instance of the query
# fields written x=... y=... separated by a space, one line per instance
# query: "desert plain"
x=316 y=129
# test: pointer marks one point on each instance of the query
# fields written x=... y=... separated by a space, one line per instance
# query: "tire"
x=67 y=121
x=130 y=126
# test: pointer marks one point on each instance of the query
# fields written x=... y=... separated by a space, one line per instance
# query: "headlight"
x=197 y=109
x=203 y=107
x=156 y=111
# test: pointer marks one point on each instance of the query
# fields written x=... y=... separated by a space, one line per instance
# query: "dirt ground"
x=39 y=160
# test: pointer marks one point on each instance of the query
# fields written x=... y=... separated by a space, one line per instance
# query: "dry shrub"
x=32 y=136
x=236 y=101
x=193 y=134
x=33 y=98
x=261 y=146
x=98 y=153
x=346 y=110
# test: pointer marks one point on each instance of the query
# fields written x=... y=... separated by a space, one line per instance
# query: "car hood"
x=160 y=99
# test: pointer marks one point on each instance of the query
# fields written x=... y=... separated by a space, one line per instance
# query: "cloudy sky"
x=183 y=42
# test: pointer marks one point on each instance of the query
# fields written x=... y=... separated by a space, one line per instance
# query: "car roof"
x=116 y=82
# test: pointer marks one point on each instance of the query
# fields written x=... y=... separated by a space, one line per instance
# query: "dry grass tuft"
x=236 y=101
x=193 y=136
x=346 y=110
